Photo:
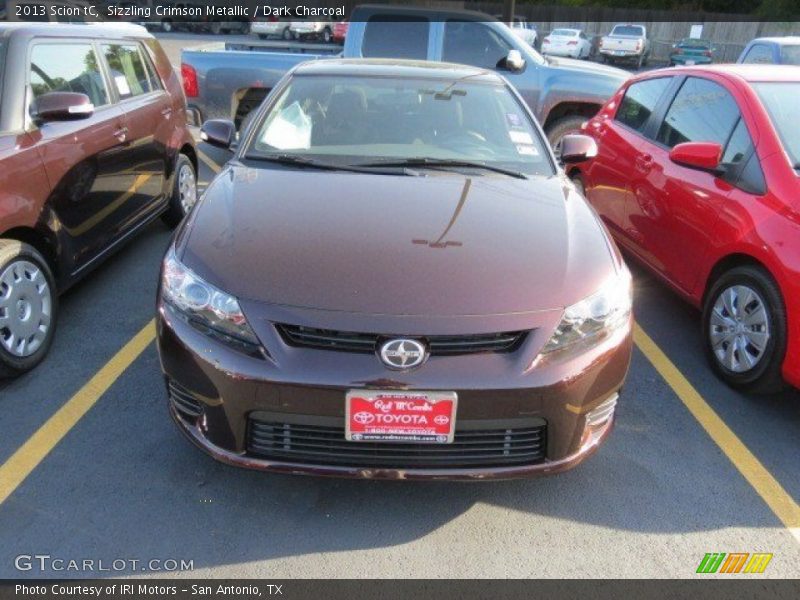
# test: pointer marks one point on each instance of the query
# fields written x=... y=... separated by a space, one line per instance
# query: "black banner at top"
x=150 y=11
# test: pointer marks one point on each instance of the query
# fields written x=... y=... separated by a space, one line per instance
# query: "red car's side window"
x=639 y=102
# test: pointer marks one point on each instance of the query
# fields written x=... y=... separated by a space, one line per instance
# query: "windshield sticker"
x=520 y=137
x=527 y=149
x=514 y=120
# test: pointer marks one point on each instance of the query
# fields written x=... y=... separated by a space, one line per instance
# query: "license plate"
x=619 y=52
x=689 y=62
x=403 y=417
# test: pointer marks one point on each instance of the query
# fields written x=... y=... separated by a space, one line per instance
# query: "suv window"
x=67 y=68
x=396 y=36
x=473 y=43
x=127 y=70
x=759 y=53
x=640 y=100
x=702 y=111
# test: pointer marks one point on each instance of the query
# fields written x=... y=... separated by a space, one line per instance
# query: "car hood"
x=589 y=68
x=444 y=244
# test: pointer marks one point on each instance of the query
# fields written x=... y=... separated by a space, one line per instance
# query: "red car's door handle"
x=644 y=162
x=121 y=134
x=166 y=112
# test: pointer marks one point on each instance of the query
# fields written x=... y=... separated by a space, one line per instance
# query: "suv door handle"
x=166 y=112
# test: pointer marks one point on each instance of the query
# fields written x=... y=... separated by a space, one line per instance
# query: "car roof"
x=789 y=40
x=379 y=67
x=82 y=30
x=743 y=72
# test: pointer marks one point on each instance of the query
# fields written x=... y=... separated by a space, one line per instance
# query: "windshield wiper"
x=304 y=161
x=441 y=163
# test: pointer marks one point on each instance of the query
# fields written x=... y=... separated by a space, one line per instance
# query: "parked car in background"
x=561 y=93
x=626 y=43
x=698 y=177
x=93 y=146
x=774 y=50
x=272 y=27
x=572 y=43
x=340 y=31
x=453 y=308
x=318 y=30
x=692 y=51
x=523 y=29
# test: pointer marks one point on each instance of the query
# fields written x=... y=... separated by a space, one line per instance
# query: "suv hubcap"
x=739 y=328
x=187 y=188
x=25 y=308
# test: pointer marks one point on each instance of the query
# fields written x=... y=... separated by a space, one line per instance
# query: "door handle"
x=121 y=134
x=166 y=112
x=644 y=162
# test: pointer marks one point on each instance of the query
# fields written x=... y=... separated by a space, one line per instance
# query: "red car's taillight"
x=189 y=76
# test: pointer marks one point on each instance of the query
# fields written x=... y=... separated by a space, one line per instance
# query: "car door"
x=608 y=175
x=81 y=158
x=148 y=117
x=674 y=208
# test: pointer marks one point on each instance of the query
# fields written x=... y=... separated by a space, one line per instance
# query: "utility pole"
x=508 y=10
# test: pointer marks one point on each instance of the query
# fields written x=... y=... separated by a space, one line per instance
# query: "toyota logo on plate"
x=402 y=354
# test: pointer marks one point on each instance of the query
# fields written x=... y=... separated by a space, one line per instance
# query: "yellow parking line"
x=210 y=162
x=762 y=481
x=17 y=468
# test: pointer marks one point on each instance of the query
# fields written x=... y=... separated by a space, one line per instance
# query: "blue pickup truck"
x=229 y=81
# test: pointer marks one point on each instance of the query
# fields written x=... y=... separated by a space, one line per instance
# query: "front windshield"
x=358 y=120
x=790 y=55
x=780 y=100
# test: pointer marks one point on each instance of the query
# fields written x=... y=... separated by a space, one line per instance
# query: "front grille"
x=183 y=401
x=438 y=345
x=326 y=446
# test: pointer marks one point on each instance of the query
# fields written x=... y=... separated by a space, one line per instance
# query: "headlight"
x=592 y=319
x=207 y=308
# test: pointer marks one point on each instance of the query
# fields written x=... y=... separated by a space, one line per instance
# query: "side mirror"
x=704 y=156
x=577 y=148
x=61 y=106
x=218 y=132
x=514 y=61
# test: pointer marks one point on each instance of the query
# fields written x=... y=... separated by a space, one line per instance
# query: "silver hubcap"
x=25 y=308
x=739 y=329
x=187 y=188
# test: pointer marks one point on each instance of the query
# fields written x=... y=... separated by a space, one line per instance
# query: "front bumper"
x=233 y=392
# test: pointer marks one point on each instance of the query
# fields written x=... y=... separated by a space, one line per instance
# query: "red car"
x=340 y=31
x=698 y=177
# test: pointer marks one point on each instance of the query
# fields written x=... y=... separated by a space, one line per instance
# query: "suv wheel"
x=287 y=34
x=327 y=35
x=28 y=306
x=184 y=192
x=744 y=329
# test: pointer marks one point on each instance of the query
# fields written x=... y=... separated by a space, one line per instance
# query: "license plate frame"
x=391 y=416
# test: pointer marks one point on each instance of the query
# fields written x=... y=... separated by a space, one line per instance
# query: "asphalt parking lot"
x=91 y=466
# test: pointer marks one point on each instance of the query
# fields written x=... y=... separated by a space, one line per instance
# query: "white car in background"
x=523 y=29
x=572 y=43
x=320 y=30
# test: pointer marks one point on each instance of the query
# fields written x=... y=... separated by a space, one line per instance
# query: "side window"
x=127 y=70
x=388 y=36
x=759 y=54
x=67 y=68
x=473 y=43
x=639 y=102
x=702 y=111
x=742 y=167
x=739 y=145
